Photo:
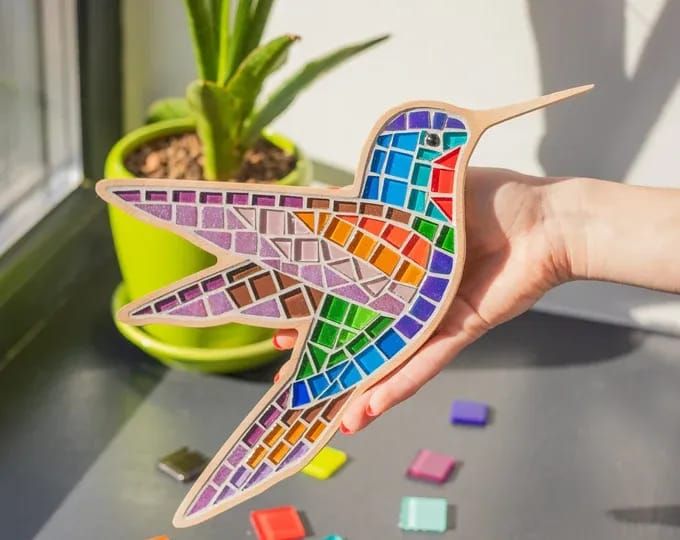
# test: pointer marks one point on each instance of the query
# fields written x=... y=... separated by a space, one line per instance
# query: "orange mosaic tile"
x=338 y=231
x=273 y=435
x=418 y=250
x=258 y=455
x=362 y=245
x=374 y=226
x=323 y=218
x=385 y=259
x=314 y=432
x=295 y=432
x=276 y=455
x=395 y=235
x=349 y=218
x=307 y=218
x=410 y=273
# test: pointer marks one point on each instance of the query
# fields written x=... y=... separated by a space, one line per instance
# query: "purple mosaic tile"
x=471 y=413
x=407 y=326
x=397 y=123
x=438 y=120
x=270 y=308
x=422 y=309
x=221 y=475
x=282 y=400
x=454 y=123
x=144 y=311
x=441 y=262
x=434 y=287
x=189 y=293
x=184 y=196
x=166 y=303
x=233 y=222
x=259 y=475
x=333 y=279
x=219 y=238
x=237 y=455
x=264 y=200
x=294 y=455
x=239 y=477
x=237 y=198
x=219 y=303
x=161 y=196
x=161 y=211
x=289 y=268
x=208 y=197
x=203 y=499
x=213 y=282
x=245 y=242
x=388 y=304
x=270 y=416
x=312 y=273
x=273 y=263
x=352 y=292
x=212 y=217
x=129 y=196
x=291 y=201
x=419 y=119
x=192 y=309
x=267 y=250
x=187 y=215
x=253 y=435
x=228 y=490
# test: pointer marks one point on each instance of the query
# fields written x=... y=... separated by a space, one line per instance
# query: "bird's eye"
x=432 y=139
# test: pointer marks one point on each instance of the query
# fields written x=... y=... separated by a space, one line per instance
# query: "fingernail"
x=277 y=376
x=344 y=430
x=275 y=342
x=370 y=411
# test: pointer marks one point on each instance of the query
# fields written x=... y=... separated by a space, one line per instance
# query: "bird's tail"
x=273 y=442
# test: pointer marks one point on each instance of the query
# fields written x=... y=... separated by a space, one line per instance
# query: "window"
x=40 y=143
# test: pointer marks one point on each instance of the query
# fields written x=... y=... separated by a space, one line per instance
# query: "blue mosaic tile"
x=300 y=394
x=421 y=174
x=393 y=192
x=369 y=359
x=438 y=120
x=422 y=309
x=434 y=212
x=398 y=164
x=371 y=187
x=317 y=384
x=350 y=376
x=335 y=371
x=384 y=140
x=378 y=161
x=427 y=155
x=390 y=343
x=416 y=200
x=452 y=139
x=405 y=141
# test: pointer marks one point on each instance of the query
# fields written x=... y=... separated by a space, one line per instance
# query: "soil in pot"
x=181 y=157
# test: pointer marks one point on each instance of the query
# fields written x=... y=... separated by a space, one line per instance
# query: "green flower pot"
x=150 y=258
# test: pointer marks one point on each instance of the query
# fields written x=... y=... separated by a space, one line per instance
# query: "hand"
x=514 y=255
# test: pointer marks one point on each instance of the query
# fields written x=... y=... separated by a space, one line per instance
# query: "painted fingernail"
x=275 y=342
x=344 y=430
x=277 y=376
x=370 y=411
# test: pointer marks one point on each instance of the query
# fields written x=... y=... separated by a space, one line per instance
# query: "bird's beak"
x=491 y=117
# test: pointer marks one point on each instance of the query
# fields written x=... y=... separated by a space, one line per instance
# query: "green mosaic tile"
x=318 y=355
x=447 y=239
x=334 y=309
x=336 y=358
x=325 y=334
x=427 y=155
x=421 y=174
x=426 y=228
x=378 y=326
x=358 y=344
x=345 y=336
x=358 y=317
x=306 y=368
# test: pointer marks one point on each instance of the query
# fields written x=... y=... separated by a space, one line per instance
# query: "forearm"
x=616 y=232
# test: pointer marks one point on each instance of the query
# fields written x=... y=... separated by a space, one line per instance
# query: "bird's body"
x=364 y=275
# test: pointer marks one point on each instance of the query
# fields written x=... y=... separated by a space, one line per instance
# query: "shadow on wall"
x=582 y=41
x=668 y=515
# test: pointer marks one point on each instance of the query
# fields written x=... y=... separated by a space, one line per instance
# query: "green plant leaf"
x=246 y=83
x=259 y=21
x=285 y=94
x=214 y=109
x=223 y=38
x=239 y=37
x=202 y=38
x=167 y=109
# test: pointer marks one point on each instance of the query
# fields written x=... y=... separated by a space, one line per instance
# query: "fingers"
x=284 y=339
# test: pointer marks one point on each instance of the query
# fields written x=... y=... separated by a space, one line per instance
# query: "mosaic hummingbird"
x=364 y=274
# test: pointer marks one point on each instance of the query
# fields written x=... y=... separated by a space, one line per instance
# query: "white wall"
x=475 y=54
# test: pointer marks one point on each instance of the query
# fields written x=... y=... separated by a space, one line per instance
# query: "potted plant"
x=217 y=132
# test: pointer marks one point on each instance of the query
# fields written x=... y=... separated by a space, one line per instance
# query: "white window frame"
x=62 y=168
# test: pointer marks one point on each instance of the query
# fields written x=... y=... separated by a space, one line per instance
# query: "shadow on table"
x=541 y=340
x=668 y=515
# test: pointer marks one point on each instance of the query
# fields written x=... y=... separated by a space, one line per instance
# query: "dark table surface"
x=584 y=443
